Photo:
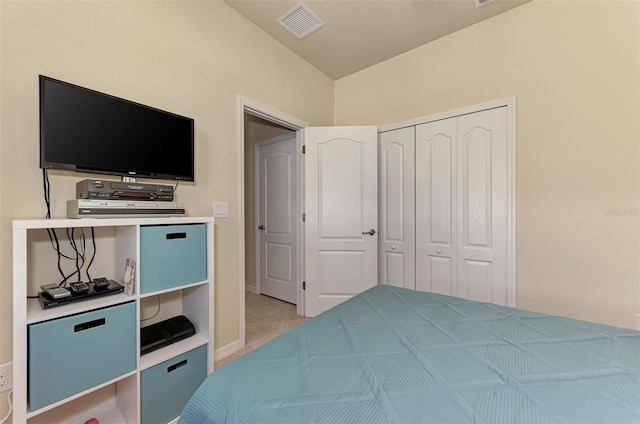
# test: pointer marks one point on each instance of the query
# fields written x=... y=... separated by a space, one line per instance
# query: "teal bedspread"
x=392 y=355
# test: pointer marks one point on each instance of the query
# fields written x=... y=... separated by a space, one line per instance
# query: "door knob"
x=261 y=227
x=370 y=232
x=439 y=251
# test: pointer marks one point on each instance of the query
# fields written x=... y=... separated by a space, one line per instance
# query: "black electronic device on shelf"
x=164 y=333
x=81 y=291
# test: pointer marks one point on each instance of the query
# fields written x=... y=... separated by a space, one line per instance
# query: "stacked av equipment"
x=116 y=190
x=116 y=199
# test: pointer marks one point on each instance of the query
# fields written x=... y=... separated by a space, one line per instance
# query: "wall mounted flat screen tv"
x=87 y=131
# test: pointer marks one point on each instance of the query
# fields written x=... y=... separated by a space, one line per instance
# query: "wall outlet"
x=6 y=376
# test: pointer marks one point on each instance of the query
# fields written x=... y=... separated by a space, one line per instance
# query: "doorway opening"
x=261 y=126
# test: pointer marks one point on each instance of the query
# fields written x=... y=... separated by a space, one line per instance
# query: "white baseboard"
x=249 y=288
x=227 y=350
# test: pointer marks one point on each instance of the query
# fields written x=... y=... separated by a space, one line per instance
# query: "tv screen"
x=87 y=131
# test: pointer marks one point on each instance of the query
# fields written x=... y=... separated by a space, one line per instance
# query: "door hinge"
x=304 y=285
x=304 y=217
x=304 y=149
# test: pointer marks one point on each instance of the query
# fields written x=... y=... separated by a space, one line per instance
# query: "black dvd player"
x=164 y=333
x=116 y=190
x=92 y=291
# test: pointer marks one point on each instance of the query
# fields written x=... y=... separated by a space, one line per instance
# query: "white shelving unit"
x=117 y=400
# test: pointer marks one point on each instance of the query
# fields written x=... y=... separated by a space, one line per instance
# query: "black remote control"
x=79 y=287
x=100 y=283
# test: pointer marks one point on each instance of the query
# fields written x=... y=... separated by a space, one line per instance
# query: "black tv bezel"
x=124 y=173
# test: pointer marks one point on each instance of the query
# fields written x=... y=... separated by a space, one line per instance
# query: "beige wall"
x=574 y=68
x=192 y=58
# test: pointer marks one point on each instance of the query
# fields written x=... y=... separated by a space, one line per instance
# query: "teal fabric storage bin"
x=166 y=387
x=69 y=355
x=172 y=255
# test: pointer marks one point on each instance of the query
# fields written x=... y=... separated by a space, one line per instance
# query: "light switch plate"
x=220 y=209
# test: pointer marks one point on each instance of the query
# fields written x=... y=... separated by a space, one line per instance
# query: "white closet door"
x=483 y=209
x=397 y=208
x=436 y=209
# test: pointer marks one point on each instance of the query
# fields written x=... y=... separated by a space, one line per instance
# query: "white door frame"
x=258 y=178
x=510 y=104
x=251 y=107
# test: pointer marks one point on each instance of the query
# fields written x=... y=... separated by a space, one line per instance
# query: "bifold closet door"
x=462 y=206
x=436 y=209
x=397 y=208
x=483 y=206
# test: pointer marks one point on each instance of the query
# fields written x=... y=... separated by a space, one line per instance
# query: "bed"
x=393 y=355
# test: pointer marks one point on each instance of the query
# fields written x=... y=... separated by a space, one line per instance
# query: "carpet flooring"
x=265 y=319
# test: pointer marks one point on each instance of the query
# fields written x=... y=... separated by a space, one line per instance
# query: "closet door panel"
x=476 y=280
x=397 y=208
x=436 y=206
x=482 y=199
x=441 y=271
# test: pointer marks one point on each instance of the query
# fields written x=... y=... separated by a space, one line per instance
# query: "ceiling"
x=361 y=33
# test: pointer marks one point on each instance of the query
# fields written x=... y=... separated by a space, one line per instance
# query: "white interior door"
x=436 y=209
x=483 y=201
x=341 y=214
x=397 y=208
x=277 y=170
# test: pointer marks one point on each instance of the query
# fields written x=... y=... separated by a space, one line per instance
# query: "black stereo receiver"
x=164 y=333
x=117 y=190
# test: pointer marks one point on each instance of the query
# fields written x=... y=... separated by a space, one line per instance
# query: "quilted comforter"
x=392 y=355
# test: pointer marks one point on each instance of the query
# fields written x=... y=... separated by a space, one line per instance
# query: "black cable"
x=79 y=249
x=72 y=247
x=72 y=243
x=79 y=260
x=47 y=199
x=56 y=247
x=93 y=240
x=83 y=246
x=81 y=253
x=80 y=257
x=53 y=237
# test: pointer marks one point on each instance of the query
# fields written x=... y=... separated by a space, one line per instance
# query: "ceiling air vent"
x=479 y=3
x=300 y=21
